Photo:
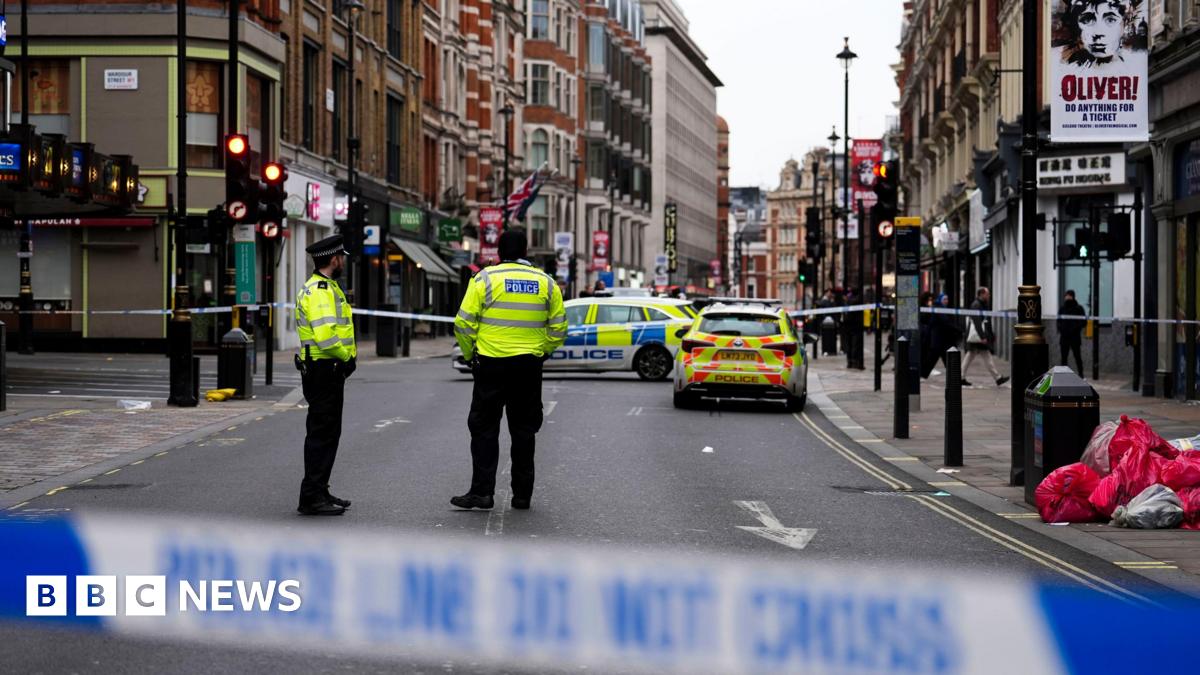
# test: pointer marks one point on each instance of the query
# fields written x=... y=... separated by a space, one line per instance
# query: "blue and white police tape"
x=554 y=606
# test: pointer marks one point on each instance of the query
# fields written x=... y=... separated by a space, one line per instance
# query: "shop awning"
x=430 y=263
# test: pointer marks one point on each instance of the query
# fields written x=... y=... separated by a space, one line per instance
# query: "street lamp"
x=612 y=214
x=352 y=7
x=847 y=58
x=506 y=112
x=575 y=162
x=833 y=211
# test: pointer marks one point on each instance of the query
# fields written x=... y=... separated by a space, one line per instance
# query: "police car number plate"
x=731 y=355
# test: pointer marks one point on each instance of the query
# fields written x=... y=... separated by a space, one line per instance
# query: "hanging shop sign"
x=564 y=247
x=449 y=230
x=1098 y=71
x=600 y=252
x=491 y=220
x=864 y=155
x=671 y=223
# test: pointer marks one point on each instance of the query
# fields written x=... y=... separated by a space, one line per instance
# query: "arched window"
x=539 y=149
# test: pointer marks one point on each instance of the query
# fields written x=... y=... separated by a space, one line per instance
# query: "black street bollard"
x=405 y=337
x=3 y=368
x=829 y=336
x=900 y=415
x=385 y=333
x=235 y=364
x=952 y=451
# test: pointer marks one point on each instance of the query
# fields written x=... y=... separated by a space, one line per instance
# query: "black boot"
x=470 y=501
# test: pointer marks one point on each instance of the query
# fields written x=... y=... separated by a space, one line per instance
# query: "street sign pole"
x=907 y=323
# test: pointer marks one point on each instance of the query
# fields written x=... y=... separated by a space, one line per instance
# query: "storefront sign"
x=671 y=222
x=121 y=80
x=1098 y=72
x=1081 y=171
x=295 y=206
x=10 y=157
x=661 y=276
x=564 y=247
x=491 y=220
x=406 y=218
x=600 y=258
x=313 y=191
x=714 y=270
x=371 y=239
x=1187 y=169
x=3 y=32
x=126 y=221
x=246 y=263
x=864 y=155
x=449 y=230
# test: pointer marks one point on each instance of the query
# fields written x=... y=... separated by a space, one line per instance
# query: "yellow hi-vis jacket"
x=323 y=321
x=511 y=309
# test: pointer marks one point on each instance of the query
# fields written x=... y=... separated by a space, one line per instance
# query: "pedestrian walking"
x=980 y=338
x=510 y=321
x=328 y=355
x=945 y=332
x=1070 y=329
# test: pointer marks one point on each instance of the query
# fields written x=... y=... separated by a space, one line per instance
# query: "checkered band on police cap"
x=326 y=247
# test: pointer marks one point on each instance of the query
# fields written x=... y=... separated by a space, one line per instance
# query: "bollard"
x=405 y=337
x=3 y=368
x=385 y=333
x=196 y=378
x=900 y=416
x=828 y=336
x=952 y=450
x=235 y=364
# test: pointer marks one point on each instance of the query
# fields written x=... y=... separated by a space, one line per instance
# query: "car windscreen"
x=744 y=325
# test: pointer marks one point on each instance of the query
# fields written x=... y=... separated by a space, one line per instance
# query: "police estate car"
x=625 y=333
x=743 y=350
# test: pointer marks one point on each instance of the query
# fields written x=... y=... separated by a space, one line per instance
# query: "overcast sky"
x=783 y=82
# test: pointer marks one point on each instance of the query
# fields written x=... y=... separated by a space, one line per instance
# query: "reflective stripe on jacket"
x=511 y=309
x=323 y=321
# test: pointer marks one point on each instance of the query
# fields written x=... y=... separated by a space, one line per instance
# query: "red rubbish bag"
x=1190 y=497
x=1139 y=469
x=1133 y=433
x=1062 y=496
x=1183 y=471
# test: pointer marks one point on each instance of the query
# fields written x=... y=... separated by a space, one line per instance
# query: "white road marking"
x=383 y=424
x=945 y=470
x=550 y=406
x=495 y=519
x=634 y=411
x=772 y=529
x=227 y=442
x=708 y=449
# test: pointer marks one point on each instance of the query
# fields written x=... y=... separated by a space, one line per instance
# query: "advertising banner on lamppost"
x=661 y=277
x=490 y=223
x=600 y=250
x=564 y=246
x=865 y=153
x=1098 y=71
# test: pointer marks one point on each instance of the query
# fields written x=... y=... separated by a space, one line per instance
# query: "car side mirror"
x=682 y=331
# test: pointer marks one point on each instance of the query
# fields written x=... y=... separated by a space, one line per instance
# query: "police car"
x=620 y=333
x=743 y=350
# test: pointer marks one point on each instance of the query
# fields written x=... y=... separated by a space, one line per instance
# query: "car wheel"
x=797 y=403
x=684 y=400
x=653 y=363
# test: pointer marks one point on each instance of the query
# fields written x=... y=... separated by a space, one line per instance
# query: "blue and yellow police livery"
x=624 y=333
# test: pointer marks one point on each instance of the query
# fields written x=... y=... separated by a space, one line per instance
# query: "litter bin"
x=235 y=364
x=1061 y=411
x=385 y=332
x=828 y=336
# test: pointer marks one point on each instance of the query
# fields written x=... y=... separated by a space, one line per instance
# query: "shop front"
x=1182 y=225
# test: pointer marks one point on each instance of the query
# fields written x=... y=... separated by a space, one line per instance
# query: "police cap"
x=327 y=247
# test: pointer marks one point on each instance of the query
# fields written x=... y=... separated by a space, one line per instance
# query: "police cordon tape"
x=380 y=593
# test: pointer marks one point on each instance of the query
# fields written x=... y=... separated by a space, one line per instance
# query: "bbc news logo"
x=146 y=595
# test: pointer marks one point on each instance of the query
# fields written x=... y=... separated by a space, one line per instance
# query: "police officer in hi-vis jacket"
x=510 y=321
x=327 y=357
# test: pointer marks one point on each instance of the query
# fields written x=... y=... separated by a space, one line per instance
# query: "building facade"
x=684 y=129
x=720 y=271
x=749 y=253
x=801 y=185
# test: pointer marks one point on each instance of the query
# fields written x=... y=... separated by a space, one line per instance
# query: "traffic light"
x=1119 y=239
x=217 y=227
x=271 y=217
x=812 y=232
x=241 y=190
x=887 y=189
x=806 y=273
x=352 y=227
x=1084 y=246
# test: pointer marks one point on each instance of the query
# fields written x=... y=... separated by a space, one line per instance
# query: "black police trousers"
x=512 y=384
x=324 y=387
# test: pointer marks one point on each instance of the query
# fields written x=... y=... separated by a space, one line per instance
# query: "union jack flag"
x=522 y=198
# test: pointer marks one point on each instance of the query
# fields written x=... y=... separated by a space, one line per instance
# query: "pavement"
x=1171 y=557
x=617 y=465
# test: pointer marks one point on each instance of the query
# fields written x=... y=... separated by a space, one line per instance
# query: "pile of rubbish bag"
x=1131 y=477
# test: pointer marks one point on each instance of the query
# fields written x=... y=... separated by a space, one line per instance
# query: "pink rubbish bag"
x=1183 y=471
x=1133 y=433
x=1138 y=470
x=1062 y=496
x=1190 y=497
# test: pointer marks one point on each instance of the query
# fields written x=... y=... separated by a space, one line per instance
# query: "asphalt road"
x=617 y=464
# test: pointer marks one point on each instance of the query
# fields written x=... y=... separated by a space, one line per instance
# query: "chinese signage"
x=564 y=247
x=1081 y=171
x=121 y=80
x=1098 y=71
x=864 y=155
x=491 y=220
x=1187 y=169
x=600 y=250
x=671 y=222
x=449 y=230
x=407 y=218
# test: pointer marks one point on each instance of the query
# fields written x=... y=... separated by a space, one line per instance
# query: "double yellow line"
x=938 y=506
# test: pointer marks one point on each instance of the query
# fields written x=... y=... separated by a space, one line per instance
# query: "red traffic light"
x=237 y=144
x=274 y=173
x=880 y=170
